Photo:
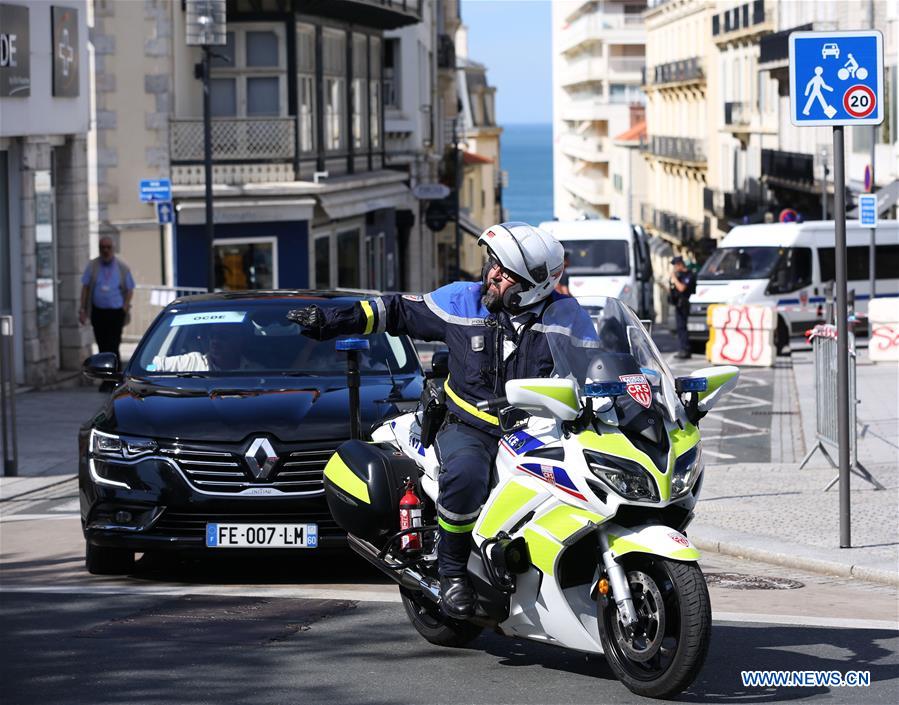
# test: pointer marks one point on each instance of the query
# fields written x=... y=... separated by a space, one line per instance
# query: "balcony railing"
x=626 y=64
x=589 y=148
x=446 y=52
x=685 y=149
x=678 y=227
x=737 y=114
x=234 y=140
x=678 y=71
x=776 y=47
x=596 y=26
x=791 y=166
x=591 y=189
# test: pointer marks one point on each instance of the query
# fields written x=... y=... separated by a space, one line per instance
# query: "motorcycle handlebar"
x=491 y=403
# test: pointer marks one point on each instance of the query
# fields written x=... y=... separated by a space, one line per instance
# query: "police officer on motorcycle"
x=494 y=333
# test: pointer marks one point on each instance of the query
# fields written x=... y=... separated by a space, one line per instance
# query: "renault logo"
x=261 y=458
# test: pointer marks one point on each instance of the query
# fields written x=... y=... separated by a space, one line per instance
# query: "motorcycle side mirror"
x=103 y=366
x=439 y=365
x=547 y=398
x=716 y=382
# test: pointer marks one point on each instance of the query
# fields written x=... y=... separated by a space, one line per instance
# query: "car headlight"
x=687 y=468
x=627 y=478
x=110 y=445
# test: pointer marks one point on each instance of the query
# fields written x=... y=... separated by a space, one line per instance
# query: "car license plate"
x=262 y=535
x=696 y=326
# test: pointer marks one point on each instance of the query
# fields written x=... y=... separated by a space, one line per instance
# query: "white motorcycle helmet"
x=534 y=256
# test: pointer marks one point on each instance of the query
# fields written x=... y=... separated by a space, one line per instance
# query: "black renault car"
x=221 y=425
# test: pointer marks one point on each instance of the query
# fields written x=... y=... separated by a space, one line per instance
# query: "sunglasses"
x=503 y=272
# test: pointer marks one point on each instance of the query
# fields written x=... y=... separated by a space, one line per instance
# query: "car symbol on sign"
x=830 y=49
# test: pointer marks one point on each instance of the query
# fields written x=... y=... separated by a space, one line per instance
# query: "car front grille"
x=298 y=470
x=193 y=524
x=698 y=309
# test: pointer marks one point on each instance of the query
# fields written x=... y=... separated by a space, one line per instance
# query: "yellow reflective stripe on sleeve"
x=468 y=407
x=543 y=551
x=565 y=521
x=340 y=474
x=369 y=317
x=510 y=499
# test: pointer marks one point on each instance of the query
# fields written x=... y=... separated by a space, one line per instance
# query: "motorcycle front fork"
x=621 y=590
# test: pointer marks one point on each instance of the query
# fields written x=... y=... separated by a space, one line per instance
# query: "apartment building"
x=44 y=243
x=681 y=91
x=598 y=58
x=304 y=195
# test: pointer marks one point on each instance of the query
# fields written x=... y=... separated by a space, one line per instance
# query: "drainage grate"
x=773 y=413
x=741 y=581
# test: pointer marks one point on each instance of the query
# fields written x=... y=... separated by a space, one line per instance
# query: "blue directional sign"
x=836 y=78
x=164 y=212
x=867 y=210
x=152 y=190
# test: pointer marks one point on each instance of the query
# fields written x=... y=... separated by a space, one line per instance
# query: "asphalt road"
x=315 y=628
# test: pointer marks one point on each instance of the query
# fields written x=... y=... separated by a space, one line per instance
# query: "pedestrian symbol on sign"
x=813 y=91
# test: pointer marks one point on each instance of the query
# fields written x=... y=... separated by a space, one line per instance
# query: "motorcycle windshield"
x=607 y=343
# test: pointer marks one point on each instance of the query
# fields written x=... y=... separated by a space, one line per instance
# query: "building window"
x=374 y=89
x=392 y=74
x=249 y=78
x=334 y=71
x=360 y=99
x=247 y=263
x=321 y=259
x=306 y=88
x=349 y=270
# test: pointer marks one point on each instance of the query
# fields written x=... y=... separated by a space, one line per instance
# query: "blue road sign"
x=165 y=214
x=152 y=190
x=867 y=210
x=836 y=78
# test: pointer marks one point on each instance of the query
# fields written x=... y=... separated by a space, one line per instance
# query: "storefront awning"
x=246 y=210
x=886 y=198
x=364 y=199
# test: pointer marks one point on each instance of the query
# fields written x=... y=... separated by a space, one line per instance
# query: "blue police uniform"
x=478 y=371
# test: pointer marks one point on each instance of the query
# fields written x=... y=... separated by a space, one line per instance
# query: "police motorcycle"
x=581 y=542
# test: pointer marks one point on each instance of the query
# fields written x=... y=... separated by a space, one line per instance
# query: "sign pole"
x=839 y=207
x=872 y=270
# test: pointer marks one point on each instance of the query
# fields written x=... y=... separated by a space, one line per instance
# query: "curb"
x=40 y=488
x=787 y=560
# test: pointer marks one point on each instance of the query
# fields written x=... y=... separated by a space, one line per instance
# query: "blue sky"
x=513 y=39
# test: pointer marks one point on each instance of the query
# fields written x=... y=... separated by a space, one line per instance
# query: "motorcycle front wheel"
x=666 y=650
x=433 y=625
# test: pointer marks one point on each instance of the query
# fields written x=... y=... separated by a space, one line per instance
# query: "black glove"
x=311 y=318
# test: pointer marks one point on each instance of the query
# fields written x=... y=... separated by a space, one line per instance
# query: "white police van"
x=606 y=258
x=787 y=265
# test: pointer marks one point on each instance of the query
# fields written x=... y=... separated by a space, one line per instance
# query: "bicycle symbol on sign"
x=851 y=68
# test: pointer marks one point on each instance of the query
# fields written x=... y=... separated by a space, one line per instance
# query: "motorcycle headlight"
x=110 y=445
x=625 y=477
x=687 y=469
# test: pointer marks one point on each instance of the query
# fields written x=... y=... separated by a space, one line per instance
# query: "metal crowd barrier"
x=8 y=397
x=147 y=302
x=824 y=345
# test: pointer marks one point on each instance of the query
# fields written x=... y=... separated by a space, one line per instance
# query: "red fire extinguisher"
x=410 y=516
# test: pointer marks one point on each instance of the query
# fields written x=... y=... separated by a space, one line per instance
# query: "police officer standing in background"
x=683 y=285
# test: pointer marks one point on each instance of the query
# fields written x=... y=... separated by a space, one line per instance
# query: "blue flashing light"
x=691 y=384
x=605 y=389
x=346 y=344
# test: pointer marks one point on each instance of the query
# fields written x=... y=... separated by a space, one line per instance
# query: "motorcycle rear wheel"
x=672 y=638
x=433 y=625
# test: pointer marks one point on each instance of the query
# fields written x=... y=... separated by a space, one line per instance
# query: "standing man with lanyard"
x=107 y=288
x=683 y=285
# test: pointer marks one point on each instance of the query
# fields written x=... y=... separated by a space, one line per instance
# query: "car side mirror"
x=439 y=365
x=103 y=366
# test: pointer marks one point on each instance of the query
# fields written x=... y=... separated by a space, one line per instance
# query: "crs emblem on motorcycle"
x=674 y=536
x=638 y=389
x=548 y=473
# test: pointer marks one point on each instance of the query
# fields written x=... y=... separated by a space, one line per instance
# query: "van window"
x=608 y=257
x=886 y=258
x=793 y=272
x=741 y=263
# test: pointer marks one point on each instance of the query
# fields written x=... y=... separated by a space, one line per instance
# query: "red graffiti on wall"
x=887 y=337
x=744 y=337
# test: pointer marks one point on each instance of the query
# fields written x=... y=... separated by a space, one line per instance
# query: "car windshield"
x=242 y=337
x=741 y=263
x=608 y=344
x=605 y=257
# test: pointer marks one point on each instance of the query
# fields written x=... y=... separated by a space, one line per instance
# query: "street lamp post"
x=206 y=20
